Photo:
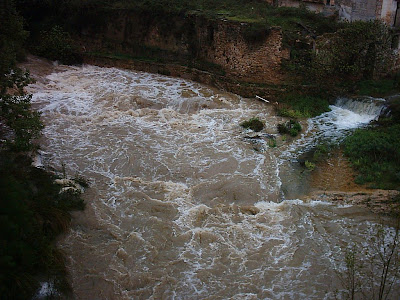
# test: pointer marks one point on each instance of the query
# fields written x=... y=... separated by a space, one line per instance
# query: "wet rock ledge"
x=385 y=202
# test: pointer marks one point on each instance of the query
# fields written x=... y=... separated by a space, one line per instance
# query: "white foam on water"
x=46 y=290
x=183 y=207
x=331 y=127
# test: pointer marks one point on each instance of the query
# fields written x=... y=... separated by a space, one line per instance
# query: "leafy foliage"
x=15 y=107
x=19 y=117
x=12 y=37
x=32 y=209
x=56 y=44
x=378 y=88
x=291 y=127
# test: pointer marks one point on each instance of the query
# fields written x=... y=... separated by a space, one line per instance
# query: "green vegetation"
x=272 y=143
x=291 y=127
x=33 y=209
x=375 y=153
x=21 y=123
x=256 y=12
x=309 y=165
x=24 y=123
x=254 y=124
x=302 y=106
x=378 y=88
x=318 y=154
x=321 y=151
x=56 y=44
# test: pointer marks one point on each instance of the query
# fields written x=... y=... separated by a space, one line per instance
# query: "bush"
x=377 y=88
x=272 y=143
x=24 y=123
x=254 y=124
x=291 y=127
x=56 y=44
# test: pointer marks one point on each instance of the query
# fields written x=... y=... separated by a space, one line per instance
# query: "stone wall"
x=241 y=54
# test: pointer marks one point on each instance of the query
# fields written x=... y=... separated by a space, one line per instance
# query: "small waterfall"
x=365 y=106
x=345 y=115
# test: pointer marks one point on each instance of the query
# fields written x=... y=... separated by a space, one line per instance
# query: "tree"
x=15 y=106
x=372 y=273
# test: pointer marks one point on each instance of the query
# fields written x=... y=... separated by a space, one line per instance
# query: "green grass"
x=249 y=11
x=302 y=106
x=375 y=154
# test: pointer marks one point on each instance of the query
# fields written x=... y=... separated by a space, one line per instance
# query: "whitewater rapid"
x=181 y=205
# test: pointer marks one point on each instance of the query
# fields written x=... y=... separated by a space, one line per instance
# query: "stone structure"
x=232 y=46
x=366 y=10
x=351 y=10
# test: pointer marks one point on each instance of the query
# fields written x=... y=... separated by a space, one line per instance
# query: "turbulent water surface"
x=181 y=205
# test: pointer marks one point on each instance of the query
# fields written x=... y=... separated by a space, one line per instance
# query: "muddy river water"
x=182 y=205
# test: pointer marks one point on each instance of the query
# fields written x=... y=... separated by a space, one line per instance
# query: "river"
x=182 y=205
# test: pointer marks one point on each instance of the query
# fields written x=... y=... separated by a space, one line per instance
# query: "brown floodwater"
x=182 y=205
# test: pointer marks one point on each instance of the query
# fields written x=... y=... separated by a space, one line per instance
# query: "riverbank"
x=181 y=198
x=244 y=89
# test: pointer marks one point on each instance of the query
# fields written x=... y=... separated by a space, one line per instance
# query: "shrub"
x=291 y=127
x=56 y=44
x=254 y=124
x=24 y=123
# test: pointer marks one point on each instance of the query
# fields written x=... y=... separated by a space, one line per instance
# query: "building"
x=351 y=10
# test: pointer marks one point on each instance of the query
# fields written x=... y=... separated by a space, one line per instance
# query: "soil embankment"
x=333 y=181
